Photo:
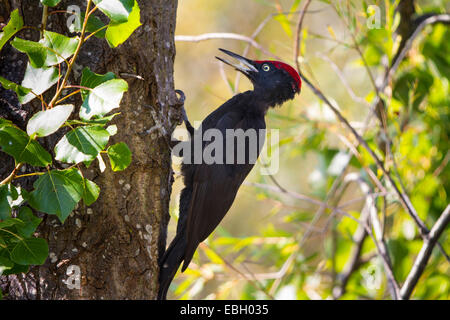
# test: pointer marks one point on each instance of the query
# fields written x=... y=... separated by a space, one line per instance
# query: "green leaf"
x=81 y=144
x=57 y=192
x=119 y=156
x=90 y=192
x=14 y=25
x=38 y=80
x=8 y=194
x=49 y=121
x=62 y=47
x=35 y=51
x=116 y=10
x=5 y=264
x=33 y=251
x=119 y=32
x=18 y=89
x=91 y=79
x=18 y=144
x=50 y=3
x=31 y=222
x=103 y=98
x=98 y=121
x=18 y=268
x=10 y=222
x=93 y=24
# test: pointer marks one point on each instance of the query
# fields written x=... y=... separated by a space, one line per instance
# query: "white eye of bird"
x=265 y=67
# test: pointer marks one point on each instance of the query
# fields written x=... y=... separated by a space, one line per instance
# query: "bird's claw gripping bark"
x=184 y=116
x=182 y=97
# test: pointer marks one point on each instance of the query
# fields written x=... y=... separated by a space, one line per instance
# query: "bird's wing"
x=213 y=192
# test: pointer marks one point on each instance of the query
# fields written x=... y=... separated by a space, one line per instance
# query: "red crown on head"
x=284 y=66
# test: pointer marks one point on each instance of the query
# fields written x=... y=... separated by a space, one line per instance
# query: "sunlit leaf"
x=103 y=98
x=81 y=144
x=120 y=156
x=118 y=32
x=14 y=25
x=116 y=10
x=46 y=122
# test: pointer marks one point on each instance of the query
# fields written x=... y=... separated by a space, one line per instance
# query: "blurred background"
x=278 y=241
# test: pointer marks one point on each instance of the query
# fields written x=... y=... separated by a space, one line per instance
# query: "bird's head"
x=274 y=81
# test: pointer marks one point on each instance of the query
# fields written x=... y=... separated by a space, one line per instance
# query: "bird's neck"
x=263 y=99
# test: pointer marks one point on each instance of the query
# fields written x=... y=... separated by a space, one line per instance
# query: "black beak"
x=244 y=65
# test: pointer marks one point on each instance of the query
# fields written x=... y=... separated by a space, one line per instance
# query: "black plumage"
x=210 y=189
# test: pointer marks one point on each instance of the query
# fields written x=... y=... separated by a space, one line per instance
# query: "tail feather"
x=170 y=263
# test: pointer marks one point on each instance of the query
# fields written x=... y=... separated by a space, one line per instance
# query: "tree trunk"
x=115 y=243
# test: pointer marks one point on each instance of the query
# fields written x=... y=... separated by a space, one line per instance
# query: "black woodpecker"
x=210 y=188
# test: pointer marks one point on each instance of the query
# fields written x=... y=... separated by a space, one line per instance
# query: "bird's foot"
x=184 y=116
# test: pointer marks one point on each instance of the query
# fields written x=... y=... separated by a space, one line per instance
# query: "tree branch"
x=225 y=35
x=404 y=199
x=424 y=254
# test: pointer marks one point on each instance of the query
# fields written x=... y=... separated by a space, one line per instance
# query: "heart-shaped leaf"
x=81 y=144
x=49 y=121
x=57 y=192
x=119 y=156
x=103 y=98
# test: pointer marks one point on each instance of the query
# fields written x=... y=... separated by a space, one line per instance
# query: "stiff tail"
x=169 y=264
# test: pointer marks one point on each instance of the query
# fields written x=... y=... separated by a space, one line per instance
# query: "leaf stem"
x=12 y=175
x=29 y=175
x=43 y=21
x=69 y=95
x=77 y=50
x=15 y=235
x=93 y=33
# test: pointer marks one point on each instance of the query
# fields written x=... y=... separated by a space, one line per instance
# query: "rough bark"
x=116 y=242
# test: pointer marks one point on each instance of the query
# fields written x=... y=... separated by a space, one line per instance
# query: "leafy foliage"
x=57 y=192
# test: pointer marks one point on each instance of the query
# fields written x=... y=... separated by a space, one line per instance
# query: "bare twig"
x=77 y=50
x=247 y=277
x=404 y=199
x=442 y=166
x=43 y=21
x=358 y=237
x=298 y=36
x=9 y=178
x=424 y=254
x=225 y=35
x=378 y=238
x=343 y=79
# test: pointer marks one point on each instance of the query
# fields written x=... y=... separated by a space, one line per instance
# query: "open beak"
x=244 y=65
